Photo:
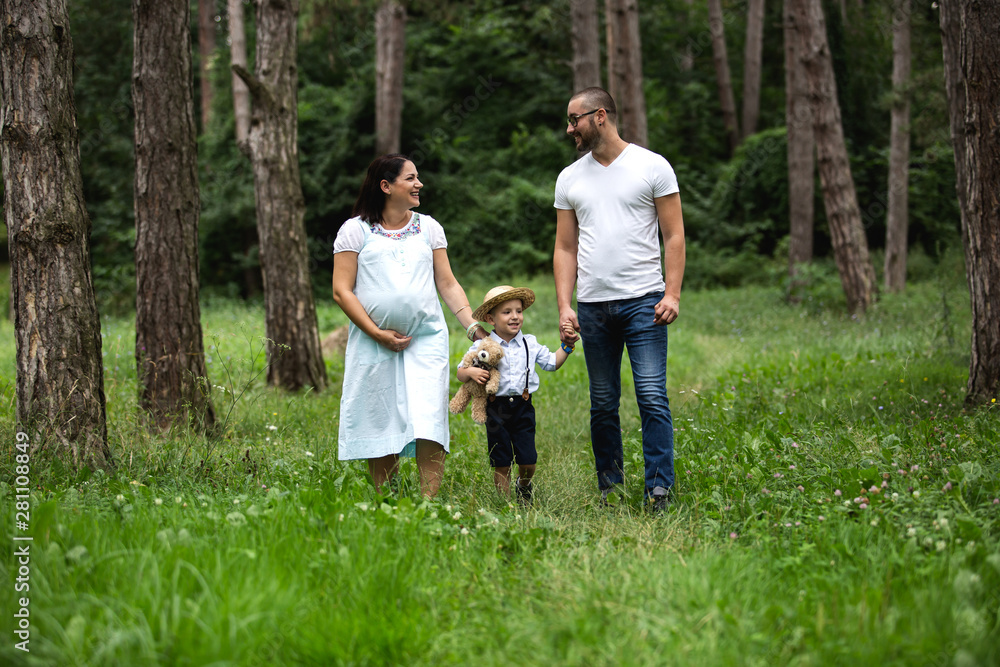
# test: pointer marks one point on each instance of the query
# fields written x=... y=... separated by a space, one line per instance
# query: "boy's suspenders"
x=527 y=369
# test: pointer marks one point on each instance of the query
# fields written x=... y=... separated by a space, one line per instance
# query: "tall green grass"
x=835 y=504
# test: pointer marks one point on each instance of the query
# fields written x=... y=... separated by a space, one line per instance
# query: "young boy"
x=510 y=416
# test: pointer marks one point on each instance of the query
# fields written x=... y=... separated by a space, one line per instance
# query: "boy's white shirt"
x=512 y=366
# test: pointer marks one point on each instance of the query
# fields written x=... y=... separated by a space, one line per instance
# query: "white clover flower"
x=309 y=453
x=941 y=545
x=465 y=531
x=158 y=501
x=912 y=532
x=456 y=516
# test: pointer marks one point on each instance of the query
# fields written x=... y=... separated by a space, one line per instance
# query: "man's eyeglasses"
x=574 y=118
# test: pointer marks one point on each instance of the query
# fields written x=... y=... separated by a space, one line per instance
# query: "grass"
x=835 y=504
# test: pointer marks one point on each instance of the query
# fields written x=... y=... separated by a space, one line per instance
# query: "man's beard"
x=587 y=143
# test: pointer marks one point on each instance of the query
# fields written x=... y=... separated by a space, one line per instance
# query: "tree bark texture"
x=801 y=150
x=752 y=65
x=60 y=375
x=716 y=27
x=586 y=45
x=972 y=77
x=897 y=222
x=238 y=56
x=685 y=59
x=294 y=356
x=390 y=60
x=169 y=352
x=850 y=247
x=625 y=69
x=206 y=49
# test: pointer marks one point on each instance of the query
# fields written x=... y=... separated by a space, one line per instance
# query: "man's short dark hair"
x=598 y=98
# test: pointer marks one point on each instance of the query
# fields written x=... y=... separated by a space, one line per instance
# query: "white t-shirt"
x=351 y=236
x=618 y=256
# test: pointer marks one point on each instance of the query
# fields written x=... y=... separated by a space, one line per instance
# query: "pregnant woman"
x=390 y=263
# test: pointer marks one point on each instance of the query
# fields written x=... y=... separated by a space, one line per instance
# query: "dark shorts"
x=510 y=431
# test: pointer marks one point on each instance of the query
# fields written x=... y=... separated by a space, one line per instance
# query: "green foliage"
x=828 y=480
x=102 y=39
x=486 y=86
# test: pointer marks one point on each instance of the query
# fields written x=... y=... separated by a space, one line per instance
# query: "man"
x=609 y=205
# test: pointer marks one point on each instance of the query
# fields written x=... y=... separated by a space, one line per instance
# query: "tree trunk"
x=238 y=56
x=293 y=350
x=586 y=47
x=801 y=147
x=60 y=375
x=206 y=49
x=685 y=59
x=972 y=76
x=625 y=69
x=390 y=52
x=169 y=354
x=716 y=28
x=897 y=223
x=847 y=234
x=752 y=66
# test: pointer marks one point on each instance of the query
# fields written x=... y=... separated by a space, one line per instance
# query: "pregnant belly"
x=402 y=311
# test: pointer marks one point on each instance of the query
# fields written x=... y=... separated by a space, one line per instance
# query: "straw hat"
x=502 y=293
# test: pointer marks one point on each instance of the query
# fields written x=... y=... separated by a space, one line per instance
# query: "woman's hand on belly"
x=393 y=340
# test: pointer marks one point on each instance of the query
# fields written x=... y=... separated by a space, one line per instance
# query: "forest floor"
x=835 y=504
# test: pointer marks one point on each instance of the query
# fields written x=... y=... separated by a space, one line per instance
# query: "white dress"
x=390 y=399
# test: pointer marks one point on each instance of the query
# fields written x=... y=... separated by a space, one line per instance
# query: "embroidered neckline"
x=412 y=229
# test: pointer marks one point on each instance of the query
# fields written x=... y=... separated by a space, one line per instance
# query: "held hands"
x=393 y=340
x=568 y=327
x=667 y=310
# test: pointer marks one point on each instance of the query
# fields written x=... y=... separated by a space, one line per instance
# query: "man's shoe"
x=659 y=500
x=524 y=492
x=612 y=497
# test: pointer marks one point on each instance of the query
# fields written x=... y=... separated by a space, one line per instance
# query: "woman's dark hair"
x=371 y=199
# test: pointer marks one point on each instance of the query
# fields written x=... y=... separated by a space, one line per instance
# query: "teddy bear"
x=486 y=354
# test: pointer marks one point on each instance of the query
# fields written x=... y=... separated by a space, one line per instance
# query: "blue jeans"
x=606 y=328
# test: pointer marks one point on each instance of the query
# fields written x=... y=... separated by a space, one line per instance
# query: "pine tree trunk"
x=897 y=223
x=238 y=56
x=972 y=76
x=294 y=356
x=60 y=376
x=206 y=49
x=685 y=59
x=625 y=69
x=801 y=150
x=586 y=47
x=169 y=353
x=390 y=52
x=752 y=66
x=716 y=28
x=847 y=233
